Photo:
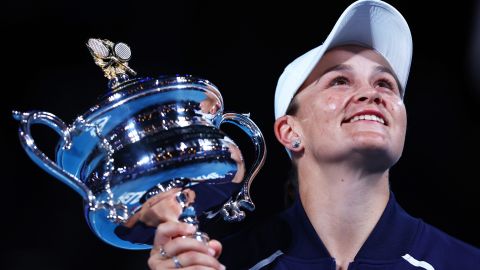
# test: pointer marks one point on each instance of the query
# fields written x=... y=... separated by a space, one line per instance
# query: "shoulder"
x=442 y=249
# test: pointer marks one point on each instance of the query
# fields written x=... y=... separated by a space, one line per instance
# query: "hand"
x=173 y=249
x=160 y=208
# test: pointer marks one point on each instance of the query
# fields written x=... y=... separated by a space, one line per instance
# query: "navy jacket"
x=398 y=241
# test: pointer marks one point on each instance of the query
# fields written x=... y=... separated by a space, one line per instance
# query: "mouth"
x=367 y=115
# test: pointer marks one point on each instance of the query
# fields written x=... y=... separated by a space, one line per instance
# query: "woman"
x=340 y=115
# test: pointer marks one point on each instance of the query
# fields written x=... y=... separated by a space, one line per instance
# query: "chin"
x=375 y=160
x=383 y=153
x=371 y=140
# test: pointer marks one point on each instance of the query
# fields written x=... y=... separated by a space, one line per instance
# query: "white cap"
x=369 y=23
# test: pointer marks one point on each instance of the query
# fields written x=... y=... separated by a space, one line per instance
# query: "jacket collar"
x=390 y=239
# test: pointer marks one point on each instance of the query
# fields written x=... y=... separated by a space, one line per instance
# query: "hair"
x=292 y=107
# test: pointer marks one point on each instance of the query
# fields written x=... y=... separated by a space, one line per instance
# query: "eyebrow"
x=339 y=67
x=343 y=67
x=378 y=69
x=381 y=69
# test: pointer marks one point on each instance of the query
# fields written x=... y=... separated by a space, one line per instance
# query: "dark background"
x=242 y=47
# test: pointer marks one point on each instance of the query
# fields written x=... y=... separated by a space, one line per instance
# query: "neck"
x=343 y=205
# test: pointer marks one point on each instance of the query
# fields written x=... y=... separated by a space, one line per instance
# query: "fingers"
x=164 y=206
x=162 y=195
x=160 y=208
x=186 y=253
x=192 y=258
x=216 y=246
x=173 y=238
x=174 y=249
x=169 y=230
x=187 y=260
x=185 y=244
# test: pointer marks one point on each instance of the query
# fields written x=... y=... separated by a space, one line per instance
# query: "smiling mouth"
x=367 y=117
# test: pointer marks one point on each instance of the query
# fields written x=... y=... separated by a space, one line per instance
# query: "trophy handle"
x=38 y=117
x=231 y=210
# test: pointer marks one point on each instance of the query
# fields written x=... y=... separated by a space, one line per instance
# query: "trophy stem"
x=189 y=216
x=200 y=236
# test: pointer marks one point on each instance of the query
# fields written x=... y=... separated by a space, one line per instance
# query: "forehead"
x=351 y=53
x=348 y=55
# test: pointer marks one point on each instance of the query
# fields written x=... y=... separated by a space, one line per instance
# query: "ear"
x=286 y=132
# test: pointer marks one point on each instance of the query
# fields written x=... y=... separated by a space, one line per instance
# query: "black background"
x=242 y=47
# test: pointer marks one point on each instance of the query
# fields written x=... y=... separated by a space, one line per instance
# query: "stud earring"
x=296 y=143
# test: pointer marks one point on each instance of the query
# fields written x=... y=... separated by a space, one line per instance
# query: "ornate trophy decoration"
x=112 y=58
x=145 y=137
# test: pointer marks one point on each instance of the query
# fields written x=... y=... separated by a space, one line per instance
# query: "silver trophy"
x=147 y=136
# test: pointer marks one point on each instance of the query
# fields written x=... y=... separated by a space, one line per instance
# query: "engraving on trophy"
x=147 y=138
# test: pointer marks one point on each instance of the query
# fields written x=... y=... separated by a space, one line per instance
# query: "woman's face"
x=351 y=106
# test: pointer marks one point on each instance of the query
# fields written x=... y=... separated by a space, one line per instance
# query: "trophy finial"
x=112 y=58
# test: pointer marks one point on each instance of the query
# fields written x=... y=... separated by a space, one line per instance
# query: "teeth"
x=367 y=117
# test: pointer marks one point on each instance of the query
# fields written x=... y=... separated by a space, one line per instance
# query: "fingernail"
x=211 y=251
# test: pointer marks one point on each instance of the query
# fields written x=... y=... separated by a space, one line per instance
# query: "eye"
x=384 y=84
x=340 y=80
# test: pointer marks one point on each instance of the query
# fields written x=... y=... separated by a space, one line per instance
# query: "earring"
x=296 y=143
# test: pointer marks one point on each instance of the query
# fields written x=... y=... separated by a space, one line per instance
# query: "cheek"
x=400 y=115
x=320 y=111
x=401 y=112
x=330 y=108
x=323 y=114
x=398 y=110
x=332 y=104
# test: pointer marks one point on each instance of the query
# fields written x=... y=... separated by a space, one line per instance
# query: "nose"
x=370 y=96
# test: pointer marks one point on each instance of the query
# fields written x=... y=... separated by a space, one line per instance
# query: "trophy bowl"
x=146 y=136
